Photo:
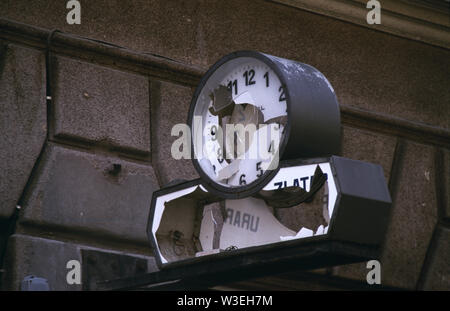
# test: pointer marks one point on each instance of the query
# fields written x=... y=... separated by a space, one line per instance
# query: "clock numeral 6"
x=242 y=180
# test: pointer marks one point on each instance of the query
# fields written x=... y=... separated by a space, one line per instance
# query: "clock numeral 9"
x=282 y=95
x=258 y=168
x=249 y=75
x=242 y=180
x=213 y=132
x=230 y=86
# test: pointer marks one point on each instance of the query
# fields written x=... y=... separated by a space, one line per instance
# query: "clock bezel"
x=235 y=192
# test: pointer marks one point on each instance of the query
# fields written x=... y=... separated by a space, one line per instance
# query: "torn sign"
x=197 y=223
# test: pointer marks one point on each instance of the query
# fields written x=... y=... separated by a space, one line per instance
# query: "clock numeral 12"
x=249 y=75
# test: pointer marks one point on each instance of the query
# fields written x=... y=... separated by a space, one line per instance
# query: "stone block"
x=101 y=105
x=39 y=257
x=413 y=218
x=99 y=195
x=23 y=119
x=100 y=266
x=172 y=108
x=45 y=258
x=438 y=272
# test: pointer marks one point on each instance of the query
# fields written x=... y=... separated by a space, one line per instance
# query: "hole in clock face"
x=243 y=112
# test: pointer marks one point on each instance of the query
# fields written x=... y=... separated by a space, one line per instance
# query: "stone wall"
x=82 y=164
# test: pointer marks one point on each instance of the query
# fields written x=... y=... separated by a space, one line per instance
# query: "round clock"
x=252 y=110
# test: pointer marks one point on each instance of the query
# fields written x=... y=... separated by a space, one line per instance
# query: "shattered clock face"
x=239 y=119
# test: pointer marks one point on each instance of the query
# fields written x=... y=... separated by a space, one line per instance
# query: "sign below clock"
x=335 y=198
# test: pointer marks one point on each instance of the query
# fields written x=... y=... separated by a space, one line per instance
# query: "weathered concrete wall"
x=107 y=136
x=23 y=121
x=368 y=69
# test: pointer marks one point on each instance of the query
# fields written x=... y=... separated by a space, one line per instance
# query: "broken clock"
x=271 y=192
x=252 y=110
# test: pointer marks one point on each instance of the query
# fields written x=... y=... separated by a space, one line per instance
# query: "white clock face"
x=242 y=114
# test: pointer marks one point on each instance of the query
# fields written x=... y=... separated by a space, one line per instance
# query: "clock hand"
x=229 y=170
x=244 y=98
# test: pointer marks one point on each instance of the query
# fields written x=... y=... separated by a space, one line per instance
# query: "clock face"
x=239 y=119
